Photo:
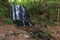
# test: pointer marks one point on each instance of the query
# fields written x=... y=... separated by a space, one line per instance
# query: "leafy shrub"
x=8 y=21
x=2 y=13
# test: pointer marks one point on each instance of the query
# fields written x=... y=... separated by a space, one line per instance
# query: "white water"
x=13 y=12
x=16 y=14
x=17 y=7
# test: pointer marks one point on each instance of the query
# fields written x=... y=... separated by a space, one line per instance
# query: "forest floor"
x=10 y=32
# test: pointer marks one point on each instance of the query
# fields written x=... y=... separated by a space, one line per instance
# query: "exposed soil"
x=55 y=32
x=10 y=32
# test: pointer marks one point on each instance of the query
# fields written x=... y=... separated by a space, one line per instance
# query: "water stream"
x=19 y=13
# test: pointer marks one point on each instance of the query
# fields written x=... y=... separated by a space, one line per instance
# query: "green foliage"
x=37 y=7
x=8 y=21
x=51 y=23
x=2 y=13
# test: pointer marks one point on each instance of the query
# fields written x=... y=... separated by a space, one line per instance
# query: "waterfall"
x=24 y=16
x=13 y=12
x=17 y=7
x=19 y=13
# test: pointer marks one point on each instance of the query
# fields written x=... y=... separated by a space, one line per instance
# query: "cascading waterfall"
x=19 y=14
x=24 y=16
x=12 y=11
x=17 y=11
